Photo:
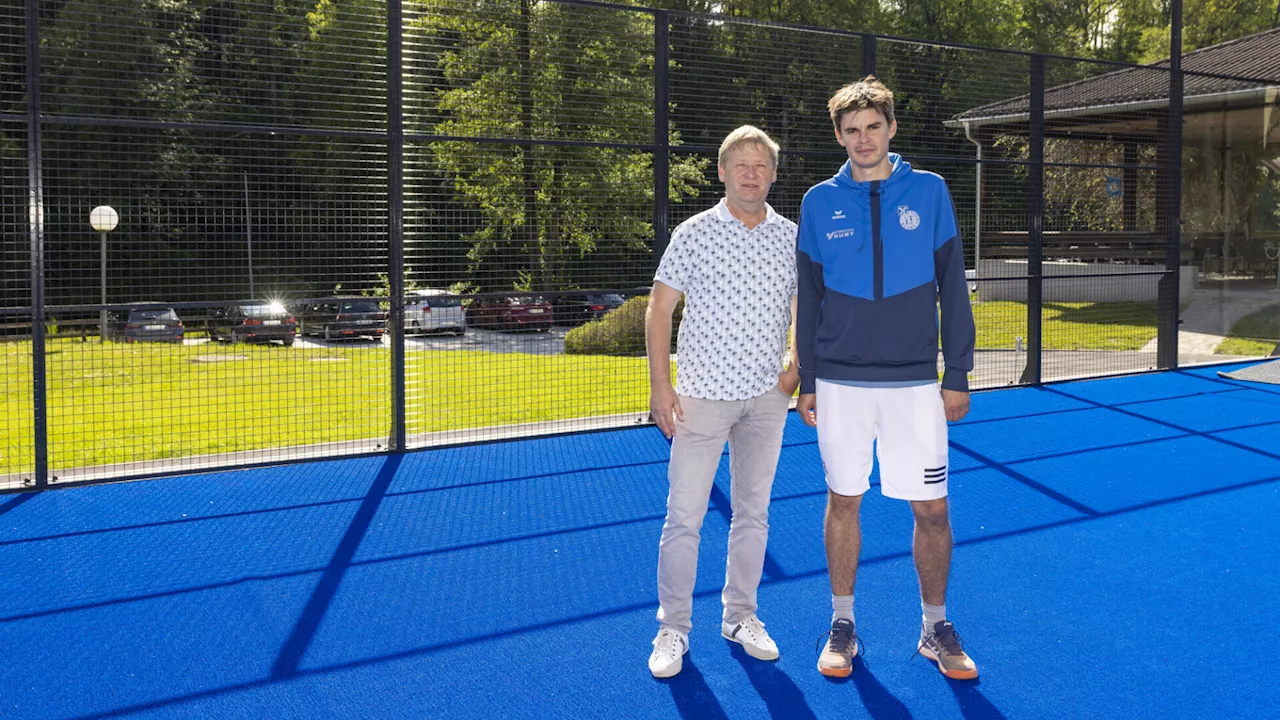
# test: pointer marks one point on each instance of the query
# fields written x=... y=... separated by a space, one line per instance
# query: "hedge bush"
x=621 y=332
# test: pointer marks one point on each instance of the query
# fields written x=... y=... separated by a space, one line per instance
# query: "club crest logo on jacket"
x=909 y=219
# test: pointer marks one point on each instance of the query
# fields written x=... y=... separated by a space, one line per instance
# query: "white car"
x=434 y=311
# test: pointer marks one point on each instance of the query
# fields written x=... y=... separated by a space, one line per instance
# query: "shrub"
x=621 y=332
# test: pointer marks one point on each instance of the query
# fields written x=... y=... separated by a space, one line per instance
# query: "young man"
x=735 y=266
x=879 y=251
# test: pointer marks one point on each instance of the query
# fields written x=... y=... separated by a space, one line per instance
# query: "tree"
x=556 y=215
x=341 y=86
x=1205 y=23
x=991 y=23
x=103 y=58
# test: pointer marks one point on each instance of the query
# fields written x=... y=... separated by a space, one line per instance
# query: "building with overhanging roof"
x=1109 y=115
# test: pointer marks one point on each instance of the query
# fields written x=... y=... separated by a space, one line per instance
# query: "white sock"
x=841 y=607
x=933 y=614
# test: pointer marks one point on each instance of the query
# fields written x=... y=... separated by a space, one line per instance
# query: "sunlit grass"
x=1068 y=326
x=1255 y=334
x=118 y=403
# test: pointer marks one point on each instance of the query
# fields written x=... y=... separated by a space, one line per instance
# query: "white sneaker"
x=750 y=634
x=668 y=653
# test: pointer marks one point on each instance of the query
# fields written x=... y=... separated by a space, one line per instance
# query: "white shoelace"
x=668 y=643
x=754 y=629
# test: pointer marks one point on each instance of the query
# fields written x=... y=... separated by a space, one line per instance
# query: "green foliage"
x=543 y=70
x=620 y=333
x=518 y=215
x=381 y=289
x=1075 y=198
x=1209 y=22
x=1107 y=29
x=980 y=22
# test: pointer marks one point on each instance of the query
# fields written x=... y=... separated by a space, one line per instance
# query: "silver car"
x=434 y=311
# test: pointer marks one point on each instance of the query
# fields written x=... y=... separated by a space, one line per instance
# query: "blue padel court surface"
x=1117 y=556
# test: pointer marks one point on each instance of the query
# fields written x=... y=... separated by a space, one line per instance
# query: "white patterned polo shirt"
x=737 y=286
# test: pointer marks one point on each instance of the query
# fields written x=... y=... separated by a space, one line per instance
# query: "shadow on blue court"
x=1114 y=559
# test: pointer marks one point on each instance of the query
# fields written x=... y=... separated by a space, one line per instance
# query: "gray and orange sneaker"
x=942 y=645
x=837 y=656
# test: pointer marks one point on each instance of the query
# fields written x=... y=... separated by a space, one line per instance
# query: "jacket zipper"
x=877 y=246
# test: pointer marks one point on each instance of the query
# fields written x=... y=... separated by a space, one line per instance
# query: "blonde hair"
x=867 y=93
x=748 y=135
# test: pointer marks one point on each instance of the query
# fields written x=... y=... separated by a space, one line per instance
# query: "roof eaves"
x=1270 y=93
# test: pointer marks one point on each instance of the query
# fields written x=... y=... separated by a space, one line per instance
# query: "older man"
x=735 y=266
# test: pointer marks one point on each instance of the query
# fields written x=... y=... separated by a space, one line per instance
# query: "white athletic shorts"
x=908 y=427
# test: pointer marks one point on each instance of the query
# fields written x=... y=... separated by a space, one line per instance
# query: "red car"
x=518 y=312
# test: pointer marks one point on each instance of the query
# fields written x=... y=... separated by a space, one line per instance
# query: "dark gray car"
x=579 y=309
x=258 y=321
x=345 y=318
x=145 y=325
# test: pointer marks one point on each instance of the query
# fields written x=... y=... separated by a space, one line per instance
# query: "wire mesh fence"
x=375 y=227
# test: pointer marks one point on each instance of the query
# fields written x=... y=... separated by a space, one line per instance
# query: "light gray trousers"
x=753 y=429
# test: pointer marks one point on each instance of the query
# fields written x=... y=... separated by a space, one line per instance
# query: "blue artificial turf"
x=1115 y=558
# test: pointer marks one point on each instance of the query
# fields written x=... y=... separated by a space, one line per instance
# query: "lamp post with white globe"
x=103 y=219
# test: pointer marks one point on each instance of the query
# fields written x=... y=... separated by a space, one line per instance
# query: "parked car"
x=145 y=325
x=432 y=310
x=256 y=321
x=579 y=309
x=345 y=318
x=517 y=312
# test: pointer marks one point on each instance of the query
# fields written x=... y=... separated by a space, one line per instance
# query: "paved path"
x=998 y=368
x=1209 y=317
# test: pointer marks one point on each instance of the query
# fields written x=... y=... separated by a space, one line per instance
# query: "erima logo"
x=834 y=234
x=838 y=216
x=909 y=219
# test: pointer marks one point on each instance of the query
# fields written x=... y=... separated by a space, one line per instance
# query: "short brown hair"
x=867 y=93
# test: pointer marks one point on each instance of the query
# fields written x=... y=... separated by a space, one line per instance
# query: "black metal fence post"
x=661 y=136
x=868 y=55
x=395 y=187
x=1035 y=226
x=1167 y=327
x=35 y=222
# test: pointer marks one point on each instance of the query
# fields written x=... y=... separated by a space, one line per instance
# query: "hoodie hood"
x=901 y=169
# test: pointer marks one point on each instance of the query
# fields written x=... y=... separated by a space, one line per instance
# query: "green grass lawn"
x=1068 y=326
x=454 y=390
x=1254 y=334
x=122 y=403
x=118 y=403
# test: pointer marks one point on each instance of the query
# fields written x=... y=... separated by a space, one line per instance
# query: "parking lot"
x=531 y=343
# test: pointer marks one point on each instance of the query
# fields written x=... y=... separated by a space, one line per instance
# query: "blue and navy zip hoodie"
x=876 y=260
